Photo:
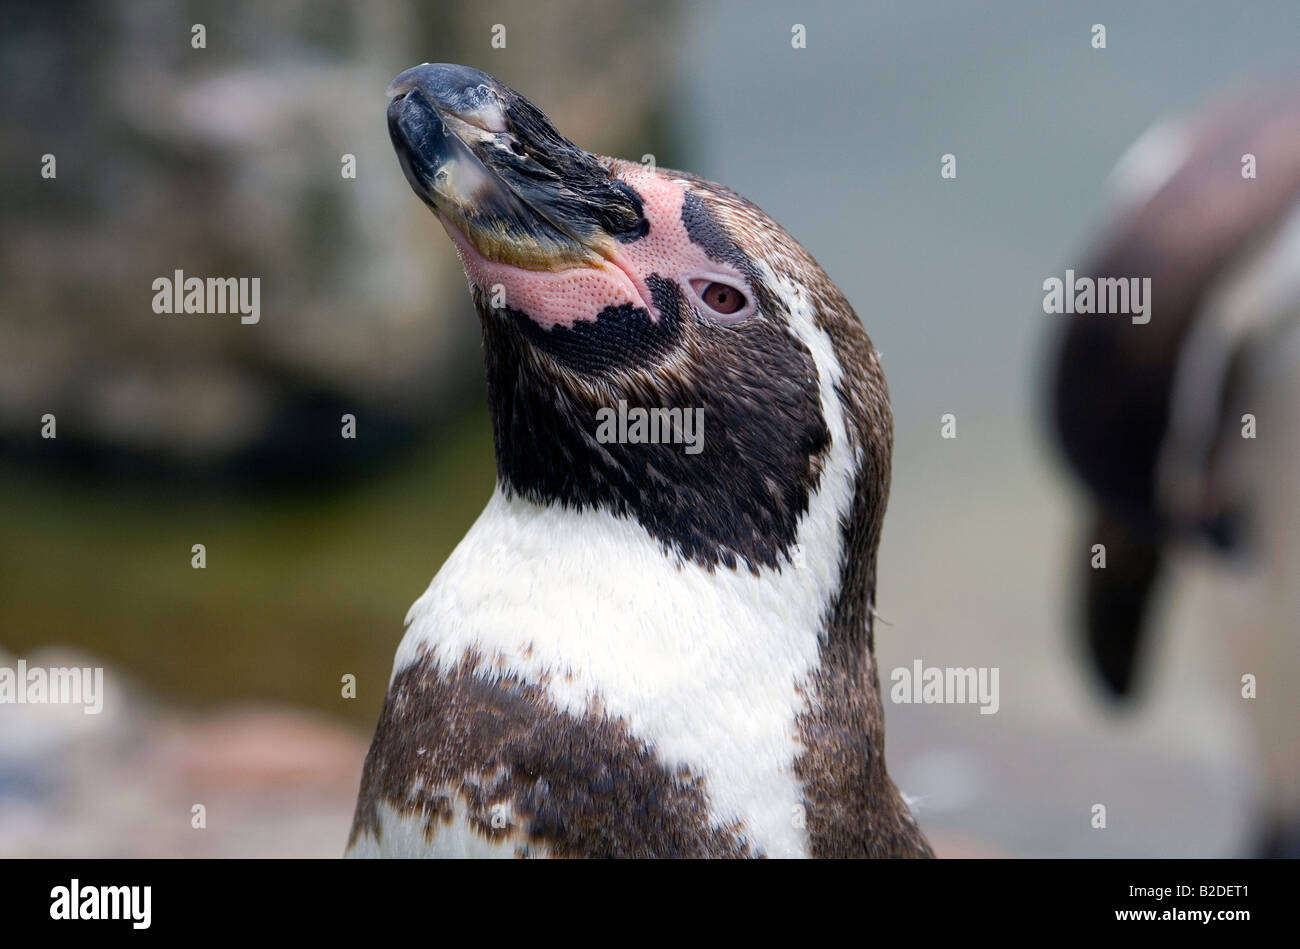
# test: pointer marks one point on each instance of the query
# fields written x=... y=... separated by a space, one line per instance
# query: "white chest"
x=704 y=666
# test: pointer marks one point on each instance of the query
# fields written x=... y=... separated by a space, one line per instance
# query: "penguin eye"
x=722 y=299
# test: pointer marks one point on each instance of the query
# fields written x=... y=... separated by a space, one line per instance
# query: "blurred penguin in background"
x=1177 y=403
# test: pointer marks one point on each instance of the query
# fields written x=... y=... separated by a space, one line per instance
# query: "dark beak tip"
x=448 y=84
x=406 y=80
x=411 y=119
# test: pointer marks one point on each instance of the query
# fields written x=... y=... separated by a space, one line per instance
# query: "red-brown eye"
x=722 y=298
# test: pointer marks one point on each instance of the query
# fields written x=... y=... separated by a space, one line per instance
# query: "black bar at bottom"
x=302 y=898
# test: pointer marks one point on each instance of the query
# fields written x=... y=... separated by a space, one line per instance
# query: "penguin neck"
x=549 y=569
x=707 y=666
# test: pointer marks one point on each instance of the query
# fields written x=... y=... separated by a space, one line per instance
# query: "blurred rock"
x=262 y=748
x=273 y=782
x=225 y=161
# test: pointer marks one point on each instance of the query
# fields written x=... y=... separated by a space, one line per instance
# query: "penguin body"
x=1186 y=430
x=656 y=641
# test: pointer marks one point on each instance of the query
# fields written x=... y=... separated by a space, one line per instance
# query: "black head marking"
x=739 y=500
x=703 y=228
x=619 y=336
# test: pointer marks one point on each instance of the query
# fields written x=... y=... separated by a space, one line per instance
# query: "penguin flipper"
x=1117 y=598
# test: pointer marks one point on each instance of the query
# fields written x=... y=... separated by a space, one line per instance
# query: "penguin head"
x=610 y=292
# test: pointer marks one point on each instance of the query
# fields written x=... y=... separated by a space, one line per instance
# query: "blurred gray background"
x=226 y=160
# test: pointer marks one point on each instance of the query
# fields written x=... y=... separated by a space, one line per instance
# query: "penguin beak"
x=493 y=167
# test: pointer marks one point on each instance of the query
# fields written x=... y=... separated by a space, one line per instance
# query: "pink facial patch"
x=563 y=297
x=550 y=297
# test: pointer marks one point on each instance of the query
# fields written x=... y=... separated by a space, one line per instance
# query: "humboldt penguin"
x=646 y=646
x=1186 y=429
